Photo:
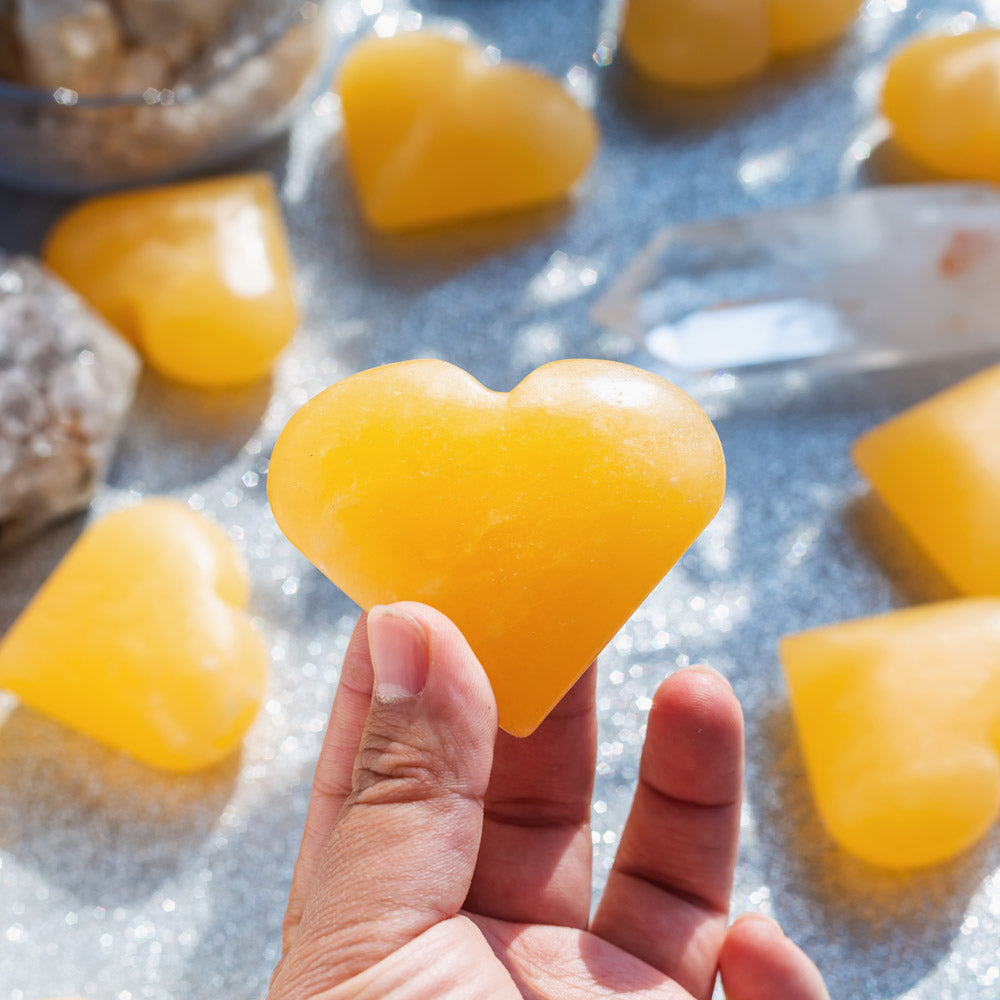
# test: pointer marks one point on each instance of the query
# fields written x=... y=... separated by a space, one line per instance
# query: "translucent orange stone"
x=702 y=45
x=937 y=468
x=537 y=520
x=436 y=134
x=198 y=275
x=942 y=98
x=139 y=639
x=898 y=718
x=798 y=26
x=697 y=45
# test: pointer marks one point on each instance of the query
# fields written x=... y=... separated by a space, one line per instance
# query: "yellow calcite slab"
x=537 y=520
x=197 y=275
x=705 y=44
x=937 y=468
x=140 y=640
x=942 y=98
x=436 y=134
x=898 y=717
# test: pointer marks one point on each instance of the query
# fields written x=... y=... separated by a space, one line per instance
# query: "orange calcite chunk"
x=537 y=520
x=937 y=468
x=140 y=640
x=697 y=45
x=898 y=717
x=942 y=98
x=198 y=275
x=704 y=44
x=800 y=25
x=436 y=134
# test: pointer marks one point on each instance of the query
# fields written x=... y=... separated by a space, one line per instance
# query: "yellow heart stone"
x=942 y=98
x=936 y=466
x=197 y=275
x=436 y=134
x=537 y=520
x=140 y=640
x=704 y=44
x=898 y=717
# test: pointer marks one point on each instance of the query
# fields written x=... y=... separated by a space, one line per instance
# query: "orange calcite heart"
x=942 y=99
x=704 y=44
x=936 y=466
x=797 y=26
x=691 y=44
x=436 y=134
x=139 y=639
x=537 y=520
x=197 y=275
x=898 y=718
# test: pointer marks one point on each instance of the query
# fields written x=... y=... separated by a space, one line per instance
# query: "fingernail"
x=398 y=646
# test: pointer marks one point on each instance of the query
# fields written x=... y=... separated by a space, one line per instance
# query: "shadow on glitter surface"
x=409 y=262
x=889 y=163
x=912 y=574
x=94 y=822
x=191 y=435
x=26 y=566
x=890 y=929
x=240 y=944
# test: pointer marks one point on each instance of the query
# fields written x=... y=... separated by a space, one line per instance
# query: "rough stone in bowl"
x=66 y=381
x=68 y=43
x=180 y=28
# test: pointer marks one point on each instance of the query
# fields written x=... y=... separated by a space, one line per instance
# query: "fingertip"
x=755 y=929
x=699 y=701
x=696 y=725
x=700 y=683
x=758 y=962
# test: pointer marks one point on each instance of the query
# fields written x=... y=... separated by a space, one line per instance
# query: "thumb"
x=404 y=846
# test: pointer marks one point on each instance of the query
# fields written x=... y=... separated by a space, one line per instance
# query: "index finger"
x=333 y=778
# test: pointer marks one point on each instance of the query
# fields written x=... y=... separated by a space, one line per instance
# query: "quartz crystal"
x=872 y=279
x=66 y=380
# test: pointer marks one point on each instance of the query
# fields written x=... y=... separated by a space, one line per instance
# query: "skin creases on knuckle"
x=397 y=767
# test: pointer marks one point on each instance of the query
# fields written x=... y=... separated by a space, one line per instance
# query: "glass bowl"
x=241 y=93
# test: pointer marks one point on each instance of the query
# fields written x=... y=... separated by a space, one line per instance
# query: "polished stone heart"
x=537 y=520
x=140 y=640
x=436 y=134
x=898 y=717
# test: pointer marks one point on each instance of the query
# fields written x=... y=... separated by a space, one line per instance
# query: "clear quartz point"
x=66 y=381
x=878 y=278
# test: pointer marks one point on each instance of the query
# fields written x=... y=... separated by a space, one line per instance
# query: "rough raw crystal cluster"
x=104 y=47
x=66 y=381
x=144 y=88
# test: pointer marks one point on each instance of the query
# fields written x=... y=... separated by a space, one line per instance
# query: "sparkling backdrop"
x=120 y=883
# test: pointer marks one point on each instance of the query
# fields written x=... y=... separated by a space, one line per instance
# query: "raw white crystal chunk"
x=877 y=278
x=66 y=381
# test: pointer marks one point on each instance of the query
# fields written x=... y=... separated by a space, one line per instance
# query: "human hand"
x=444 y=861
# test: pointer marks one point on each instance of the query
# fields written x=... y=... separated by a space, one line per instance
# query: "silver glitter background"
x=120 y=883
